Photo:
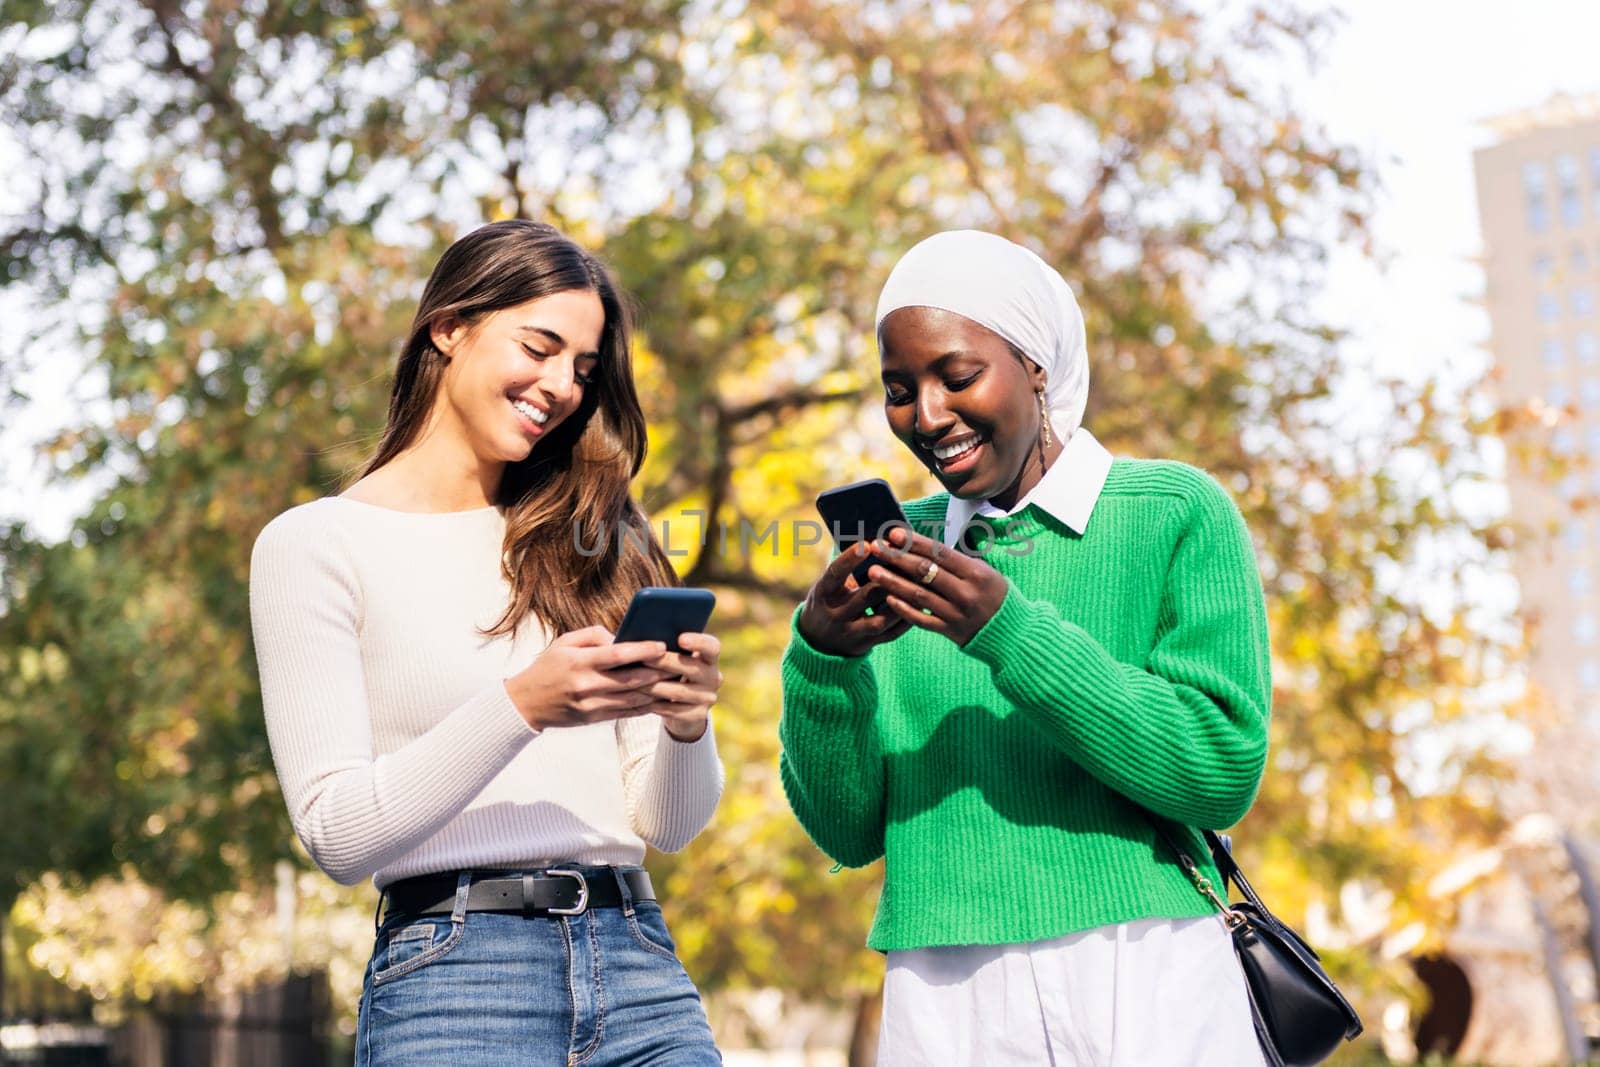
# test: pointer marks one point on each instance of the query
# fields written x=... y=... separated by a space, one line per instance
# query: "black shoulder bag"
x=1300 y=1015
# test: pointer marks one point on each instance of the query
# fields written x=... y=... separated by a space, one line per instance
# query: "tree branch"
x=746 y=580
x=943 y=133
x=261 y=146
x=796 y=398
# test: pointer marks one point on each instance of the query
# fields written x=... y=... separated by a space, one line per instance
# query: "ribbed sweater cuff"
x=705 y=740
x=1000 y=634
x=820 y=668
x=829 y=702
x=684 y=786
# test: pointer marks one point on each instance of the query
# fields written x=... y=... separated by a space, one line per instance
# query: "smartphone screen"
x=661 y=613
x=860 y=511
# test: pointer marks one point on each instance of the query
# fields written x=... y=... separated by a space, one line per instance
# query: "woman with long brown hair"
x=448 y=713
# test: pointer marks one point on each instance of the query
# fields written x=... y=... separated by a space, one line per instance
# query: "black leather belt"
x=557 y=892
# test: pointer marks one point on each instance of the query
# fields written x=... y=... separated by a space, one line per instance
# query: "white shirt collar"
x=1068 y=490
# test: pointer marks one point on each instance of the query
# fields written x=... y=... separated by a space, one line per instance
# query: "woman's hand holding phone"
x=582 y=677
x=684 y=698
x=834 y=619
x=934 y=588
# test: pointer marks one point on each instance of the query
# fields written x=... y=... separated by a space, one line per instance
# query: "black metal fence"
x=269 y=1026
x=45 y=1022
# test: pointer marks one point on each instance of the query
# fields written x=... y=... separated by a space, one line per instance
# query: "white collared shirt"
x=1085 y=999
x=1069 y=489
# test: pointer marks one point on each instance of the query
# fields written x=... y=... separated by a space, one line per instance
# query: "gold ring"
x=933 y=572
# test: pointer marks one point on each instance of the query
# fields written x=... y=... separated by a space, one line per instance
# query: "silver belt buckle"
x=583 y=893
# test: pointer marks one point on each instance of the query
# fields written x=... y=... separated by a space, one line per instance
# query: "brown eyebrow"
x=556 y=338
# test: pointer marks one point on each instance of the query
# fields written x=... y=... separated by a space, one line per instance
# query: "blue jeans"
x=602 y=989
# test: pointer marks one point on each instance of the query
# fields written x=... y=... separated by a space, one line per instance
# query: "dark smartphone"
x=661 y=613
x=860 y=511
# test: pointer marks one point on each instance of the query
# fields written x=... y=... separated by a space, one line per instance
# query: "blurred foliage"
x=233 y=206
x=123 y=941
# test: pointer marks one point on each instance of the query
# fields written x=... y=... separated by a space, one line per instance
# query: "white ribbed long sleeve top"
x=397 y=747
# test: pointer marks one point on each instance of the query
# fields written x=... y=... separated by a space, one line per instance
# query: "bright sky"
x=1409 y=82
x=1405 y=80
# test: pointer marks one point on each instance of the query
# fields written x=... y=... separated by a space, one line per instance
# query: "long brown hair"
x=576 y=545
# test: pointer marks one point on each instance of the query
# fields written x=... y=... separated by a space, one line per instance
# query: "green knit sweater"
x=1005 y=782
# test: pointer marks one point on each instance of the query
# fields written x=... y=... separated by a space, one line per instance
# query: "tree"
x=234 y=207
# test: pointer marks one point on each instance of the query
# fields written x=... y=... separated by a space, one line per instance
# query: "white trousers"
x=1152 y=993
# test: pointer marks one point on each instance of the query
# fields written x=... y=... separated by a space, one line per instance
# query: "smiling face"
x=516 y=373
x=965 y=404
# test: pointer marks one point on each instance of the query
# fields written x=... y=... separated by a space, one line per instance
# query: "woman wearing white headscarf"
x=1000 y=722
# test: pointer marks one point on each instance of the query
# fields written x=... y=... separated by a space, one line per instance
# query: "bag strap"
x=1222 y=856
x=1192 y=870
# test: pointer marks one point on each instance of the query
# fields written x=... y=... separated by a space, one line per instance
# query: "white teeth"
x=945 y=453
x=539 y=418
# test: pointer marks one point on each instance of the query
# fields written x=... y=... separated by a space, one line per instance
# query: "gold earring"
x=1044 y=422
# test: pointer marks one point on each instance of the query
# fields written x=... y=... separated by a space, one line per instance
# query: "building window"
x=1563 y=442
x=1543 y=266
x=1583 y=629
x=1593 y=437
x=1578 y=582
x=1582 y=301
x=1533 y=178
x=1549 y=307
x=1533 y=191
x=1589 y=674
x=1579 y=260
x=1572 y=536
x=1553 y=355
x=1557 y=395
x=1594 y=177
x=1586 y=348
x=1567 y=183
x=1590 y=392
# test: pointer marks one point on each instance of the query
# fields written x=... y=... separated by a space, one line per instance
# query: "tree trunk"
x=864 y=1034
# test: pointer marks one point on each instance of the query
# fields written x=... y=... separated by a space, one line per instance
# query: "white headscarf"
x=1010 y=290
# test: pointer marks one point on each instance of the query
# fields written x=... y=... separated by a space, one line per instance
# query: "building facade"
x=1539 y=208
x=1527 y=942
